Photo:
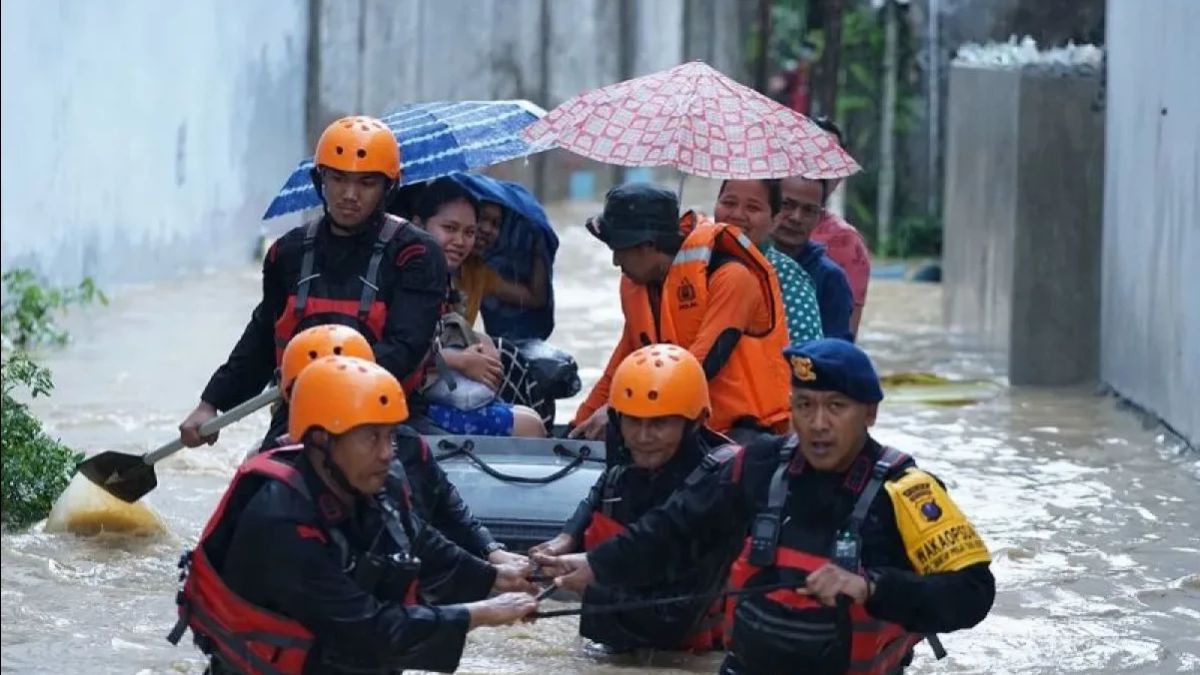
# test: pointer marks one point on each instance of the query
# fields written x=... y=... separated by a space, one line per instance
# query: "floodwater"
x=1093 y=520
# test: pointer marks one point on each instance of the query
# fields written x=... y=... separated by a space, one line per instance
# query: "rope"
x=655 y=602
x=467 y=448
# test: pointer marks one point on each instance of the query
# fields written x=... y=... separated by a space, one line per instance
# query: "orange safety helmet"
x=359 y=145
x=660 y=380
x=338 y=393
x=313 y=343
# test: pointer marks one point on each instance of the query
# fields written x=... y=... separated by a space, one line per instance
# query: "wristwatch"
x=493 y=547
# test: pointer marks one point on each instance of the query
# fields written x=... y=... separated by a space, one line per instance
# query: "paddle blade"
x=126 y=477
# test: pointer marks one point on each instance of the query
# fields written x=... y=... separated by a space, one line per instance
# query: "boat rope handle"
x=467 y=448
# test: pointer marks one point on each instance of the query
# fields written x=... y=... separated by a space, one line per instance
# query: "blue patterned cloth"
x=799 y=296
x=493 y=419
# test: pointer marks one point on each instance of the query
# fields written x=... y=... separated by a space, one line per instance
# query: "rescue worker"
x=356 y=266
x=310 y=562
x=435 y=499
x=659 y=397
x=878 y=553
x=704 y=287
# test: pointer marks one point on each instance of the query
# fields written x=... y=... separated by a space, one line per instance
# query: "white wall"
x=143 y=138
x=1151 y=267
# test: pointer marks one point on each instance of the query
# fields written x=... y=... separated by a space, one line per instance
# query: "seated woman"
x=752 y=206
x=450 y=215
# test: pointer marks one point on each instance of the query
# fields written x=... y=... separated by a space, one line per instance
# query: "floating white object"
x=85 y=509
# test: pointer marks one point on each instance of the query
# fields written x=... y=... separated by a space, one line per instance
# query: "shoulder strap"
x=370 y=287
x=764 y=533
x=889 y=460
x=714 y=460
x=265 y=464
x=397 y=520
x=306 y=266
x=608 y=493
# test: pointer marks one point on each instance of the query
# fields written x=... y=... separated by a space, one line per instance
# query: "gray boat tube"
x=522 y=489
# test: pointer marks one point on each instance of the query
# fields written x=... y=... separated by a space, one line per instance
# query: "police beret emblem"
x=802 y=369
x=931 y=511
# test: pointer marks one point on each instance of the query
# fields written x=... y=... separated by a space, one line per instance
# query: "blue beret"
x=830 y=364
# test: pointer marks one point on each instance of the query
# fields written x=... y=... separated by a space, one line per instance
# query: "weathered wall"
x=980 y=213
x=1055 y=337
x=1151 y=279
x=376 y=54
x=144 y=139
x=1023 y=194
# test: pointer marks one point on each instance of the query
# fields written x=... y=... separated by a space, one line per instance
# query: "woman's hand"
x=475 y=364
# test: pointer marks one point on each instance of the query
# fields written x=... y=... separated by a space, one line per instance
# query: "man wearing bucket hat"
x=880 y=555
x=704 y=287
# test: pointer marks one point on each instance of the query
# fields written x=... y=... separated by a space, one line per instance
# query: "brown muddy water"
x=1093 y=520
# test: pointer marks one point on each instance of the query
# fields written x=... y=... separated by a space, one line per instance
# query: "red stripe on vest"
x=408 y=253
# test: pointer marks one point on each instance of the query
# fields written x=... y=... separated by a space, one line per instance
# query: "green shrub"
x=36 y=468
x=27 y=316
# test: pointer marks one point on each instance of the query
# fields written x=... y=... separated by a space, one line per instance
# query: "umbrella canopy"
x=436 y=139
x=697 y=120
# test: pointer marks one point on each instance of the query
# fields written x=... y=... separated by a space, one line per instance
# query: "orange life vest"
x=875 y=647
x=753 y=383
x=249 y=638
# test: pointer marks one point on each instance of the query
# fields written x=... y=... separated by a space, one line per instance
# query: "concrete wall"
x=1025 y=161
x=143 y=139
x=373 y=55
x=1151 y=281
x=1055 y=337
x=956 y=22
x=980 y=215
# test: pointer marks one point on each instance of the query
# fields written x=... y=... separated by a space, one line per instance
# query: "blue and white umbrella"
x=436 y=139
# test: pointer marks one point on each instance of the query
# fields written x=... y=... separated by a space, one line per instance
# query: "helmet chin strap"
x=375 y=216
x=325 y=449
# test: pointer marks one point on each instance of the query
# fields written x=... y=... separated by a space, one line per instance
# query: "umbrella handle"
x=216 y=424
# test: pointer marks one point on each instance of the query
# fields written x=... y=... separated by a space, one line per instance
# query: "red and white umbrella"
x=697 y=120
